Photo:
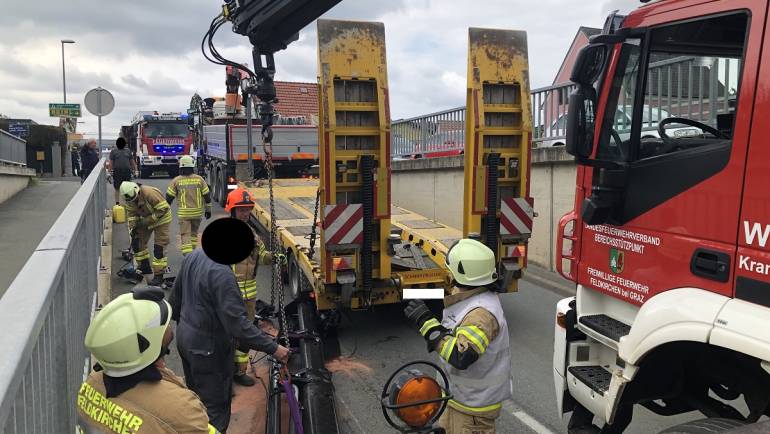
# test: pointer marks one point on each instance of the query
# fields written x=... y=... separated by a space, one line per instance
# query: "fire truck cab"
x=669 y=239
x=158 y=140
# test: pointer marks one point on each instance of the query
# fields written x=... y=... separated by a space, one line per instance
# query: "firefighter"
x=193 y=193
x=471 y=340
x=211 y=318
x=239 y=205
x=148 y=213
x=130 y=388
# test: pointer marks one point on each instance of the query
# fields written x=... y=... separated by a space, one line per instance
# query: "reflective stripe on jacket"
x=486 y=383
x=150 y=205
x=165 y=406
x=246 y=270
x=190 y=191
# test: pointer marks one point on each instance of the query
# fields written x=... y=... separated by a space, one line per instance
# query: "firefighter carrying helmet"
x=126 y=336
x=186 y=161
x=471 y=263
x=239 y=198
x=129 y=190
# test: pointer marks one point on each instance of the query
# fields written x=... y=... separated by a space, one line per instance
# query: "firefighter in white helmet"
x=148 y=213
x=130 y=388
x=194 y=202
x=471 y=340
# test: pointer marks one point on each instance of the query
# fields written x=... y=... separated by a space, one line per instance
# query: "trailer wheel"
x=704 y=426
x=215 y=182
x=295 y=276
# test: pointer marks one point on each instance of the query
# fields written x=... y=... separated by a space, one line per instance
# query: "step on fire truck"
x=158 y=140
x=668 y=240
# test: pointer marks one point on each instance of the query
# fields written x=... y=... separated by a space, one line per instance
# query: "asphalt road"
x=374 y=344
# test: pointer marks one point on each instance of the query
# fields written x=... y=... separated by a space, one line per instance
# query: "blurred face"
x=242 y=213
x=92 y=144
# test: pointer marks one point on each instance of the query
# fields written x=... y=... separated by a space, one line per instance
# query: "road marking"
x=526 y=419
x=350 y=413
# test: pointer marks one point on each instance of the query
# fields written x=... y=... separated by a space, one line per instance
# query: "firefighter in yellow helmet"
x=130 y=388
x=471 y=340
x=194 y=202
x=239 y=205
x=148 y=213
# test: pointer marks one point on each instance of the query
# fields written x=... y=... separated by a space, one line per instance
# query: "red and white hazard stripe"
x=516 y=216
x=343 y=224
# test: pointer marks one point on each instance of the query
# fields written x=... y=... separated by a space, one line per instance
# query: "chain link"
x=276 y=287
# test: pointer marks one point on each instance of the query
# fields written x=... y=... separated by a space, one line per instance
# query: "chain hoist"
x=279 y=259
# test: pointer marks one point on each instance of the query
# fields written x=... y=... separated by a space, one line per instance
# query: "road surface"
x=374 y=344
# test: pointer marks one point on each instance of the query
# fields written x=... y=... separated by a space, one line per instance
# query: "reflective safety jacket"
x=476 y=320
x=246 y=271
x=193 y=194
x=150 y=206
x=164 y=406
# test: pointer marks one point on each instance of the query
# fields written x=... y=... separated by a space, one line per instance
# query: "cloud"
x=147 y=52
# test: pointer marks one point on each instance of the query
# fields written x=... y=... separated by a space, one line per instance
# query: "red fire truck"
x=158 y=140
x=669 y=239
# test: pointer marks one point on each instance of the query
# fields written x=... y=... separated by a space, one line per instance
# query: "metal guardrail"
x=682 y=86
x=44 y=315
x=436 y=134
x=13 y=150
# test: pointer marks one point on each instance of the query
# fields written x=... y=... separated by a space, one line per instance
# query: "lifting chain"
x=276 y=287
x=303 y=283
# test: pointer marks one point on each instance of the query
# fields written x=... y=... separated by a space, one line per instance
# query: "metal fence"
x=436 y=134
x=13 y=150
x=44 y=315
x=549 y=114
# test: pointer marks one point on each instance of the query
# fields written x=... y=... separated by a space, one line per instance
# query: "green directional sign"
x=64 y=110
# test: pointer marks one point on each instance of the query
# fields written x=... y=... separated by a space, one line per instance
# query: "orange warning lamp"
x=418 y=388
x=414 y=398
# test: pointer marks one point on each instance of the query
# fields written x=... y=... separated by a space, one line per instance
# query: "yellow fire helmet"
x=126 y=336
x=186 y=161
x=471 y=263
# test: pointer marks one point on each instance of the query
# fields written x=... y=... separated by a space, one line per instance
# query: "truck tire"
x=295 y=277
x=709 y=425
x=215 y=184
x=223 y=189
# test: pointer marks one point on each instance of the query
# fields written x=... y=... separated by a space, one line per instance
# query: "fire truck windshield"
x=165 y=129
x=678 y=95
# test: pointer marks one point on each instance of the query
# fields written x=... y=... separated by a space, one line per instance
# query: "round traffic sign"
x=99 y=102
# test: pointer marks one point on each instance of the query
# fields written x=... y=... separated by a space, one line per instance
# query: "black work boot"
x=243 y=379
x=157 y=280
x=144 y=266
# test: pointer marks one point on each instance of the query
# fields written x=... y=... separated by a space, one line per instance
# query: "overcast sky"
x=147 y=52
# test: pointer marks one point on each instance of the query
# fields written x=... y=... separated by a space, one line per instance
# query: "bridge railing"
x=436 y=134
x=44 y=315
x=13 y=150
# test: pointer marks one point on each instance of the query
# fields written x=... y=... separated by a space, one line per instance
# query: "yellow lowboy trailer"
x=363 y=251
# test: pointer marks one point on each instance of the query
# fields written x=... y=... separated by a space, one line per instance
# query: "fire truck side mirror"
x=580 y=123
x=589 y=64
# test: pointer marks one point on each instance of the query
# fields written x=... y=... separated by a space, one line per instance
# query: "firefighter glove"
x=279 y=258
x=208 y=213
x=418 y=312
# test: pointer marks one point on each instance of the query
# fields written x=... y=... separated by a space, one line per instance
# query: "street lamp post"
x=63 y=75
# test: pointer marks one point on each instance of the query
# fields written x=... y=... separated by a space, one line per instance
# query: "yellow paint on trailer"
x=498 y=120
x=354 y=122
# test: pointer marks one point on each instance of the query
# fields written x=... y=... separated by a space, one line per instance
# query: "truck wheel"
x=704 y=426
x=215 y=185
x=223 y=189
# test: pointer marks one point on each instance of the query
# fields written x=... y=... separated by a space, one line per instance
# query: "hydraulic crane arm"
x=271 y=25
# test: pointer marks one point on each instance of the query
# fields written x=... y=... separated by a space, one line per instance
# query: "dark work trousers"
x=209 y=373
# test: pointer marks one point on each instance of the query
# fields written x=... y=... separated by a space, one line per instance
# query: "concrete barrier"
x=13 y=179
x=433 y=187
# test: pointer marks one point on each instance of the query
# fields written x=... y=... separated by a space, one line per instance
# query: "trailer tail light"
x=340 y=263
x=567 y=254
